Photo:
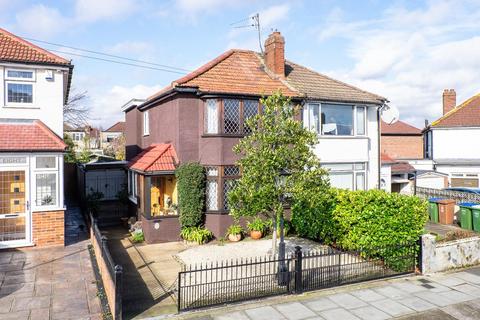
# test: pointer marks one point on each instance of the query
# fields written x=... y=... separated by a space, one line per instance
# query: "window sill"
x=342 y=137
x=20 y=106
x=47 y=209
x=222 y=135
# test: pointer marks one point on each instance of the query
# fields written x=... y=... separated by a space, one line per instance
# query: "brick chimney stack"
x=449 y=100
x=275 y=53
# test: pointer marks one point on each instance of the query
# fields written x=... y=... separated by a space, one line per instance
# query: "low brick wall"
x=437 y=257
x=48 y=228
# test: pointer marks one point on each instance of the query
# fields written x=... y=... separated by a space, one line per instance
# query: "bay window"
x=335 y=119
x=229 y=116
x=351 y=176
x=220 y=180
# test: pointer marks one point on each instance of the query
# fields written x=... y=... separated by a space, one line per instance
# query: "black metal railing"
x=244 y=279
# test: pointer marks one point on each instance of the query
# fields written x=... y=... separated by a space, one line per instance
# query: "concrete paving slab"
x=320 y=304
x=417 y=304
x=463 y=311
x=456 y=296
x=434 y=298
x=367 y=295
x=391 y=292
x=392 y=307
x=232 y=316
x=337 y=314
x=264 y=313
x=408 y=286
x=468 y=289
x=469 y=277
x=347 y=301
x=295 y=311
x=370 y=313
x=447 y=280
x=435 y=314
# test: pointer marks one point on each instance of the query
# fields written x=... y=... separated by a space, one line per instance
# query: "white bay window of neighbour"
x=335 y=119
x=351 y=176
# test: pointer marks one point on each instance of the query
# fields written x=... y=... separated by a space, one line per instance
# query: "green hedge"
x=360 y=219
x=191 y=194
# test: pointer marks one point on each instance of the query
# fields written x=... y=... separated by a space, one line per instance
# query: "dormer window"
x=19 y=85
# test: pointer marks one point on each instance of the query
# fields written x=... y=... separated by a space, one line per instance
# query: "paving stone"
x=94 y=305
x=391 y=307
x=408 y=286
x=370 y=313
x=338 y=314
x=448 y=281
x=391 y=292
x=417 y=304
x=43 y=289
x=434 y=298
x=469 y=277
x=18 y=290
x=40 y=314
x=232 y=316
x=6 y=304
x=295 y=311
x=367 y=295
x=435 y=314
x=347 y=301
x=15 y=279
x=264 y=313
x=464 y=311
x=437 y=287
x=468 y=289
x=20 y=315
x=456 y=296
x=31 y=303
x=321 y=304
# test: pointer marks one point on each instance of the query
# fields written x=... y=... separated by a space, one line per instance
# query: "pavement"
x=447 y=296
x=50 y=283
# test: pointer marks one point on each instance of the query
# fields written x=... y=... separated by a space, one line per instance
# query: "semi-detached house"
x=34 y=87
x=200 y=118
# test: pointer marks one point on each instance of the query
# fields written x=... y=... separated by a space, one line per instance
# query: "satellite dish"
x=390 y=114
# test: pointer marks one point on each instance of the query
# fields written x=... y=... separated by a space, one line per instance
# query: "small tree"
x=70 y=156
x=277 y=142
x=191 y=193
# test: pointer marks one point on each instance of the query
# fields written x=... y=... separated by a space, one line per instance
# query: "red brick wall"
x=402 y=147
x=48 y=228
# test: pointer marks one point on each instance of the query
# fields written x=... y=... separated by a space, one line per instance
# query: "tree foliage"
x=70 y=155
x=76 y=112
x=191 y=193
x=278 y=142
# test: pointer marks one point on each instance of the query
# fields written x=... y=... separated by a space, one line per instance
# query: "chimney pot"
x=449 y=100
x=275 y=53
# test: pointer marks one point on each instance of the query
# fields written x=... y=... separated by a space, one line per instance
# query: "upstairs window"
x=351 y=176
x=228 y=116
x=146 y=124
x=19 y=85
x=335 y=119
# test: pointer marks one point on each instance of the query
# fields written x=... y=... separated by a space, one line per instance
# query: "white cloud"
x=271 y=16
x=40 y=21
x=94 y=10
x=106 y=105
x=193 y=7
x=131 y=47
x=410 y=56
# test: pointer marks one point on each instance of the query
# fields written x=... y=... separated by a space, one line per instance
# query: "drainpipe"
x=378 y=144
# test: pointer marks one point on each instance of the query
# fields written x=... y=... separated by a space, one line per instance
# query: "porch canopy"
x=156 y=167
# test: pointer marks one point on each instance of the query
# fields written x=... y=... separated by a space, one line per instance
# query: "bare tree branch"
x=76 y=112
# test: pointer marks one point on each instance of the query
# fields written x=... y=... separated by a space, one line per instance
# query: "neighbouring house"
x=113 y=141
x=200 y=118
x=451 y=141
x=85 y=138
x=35 y=87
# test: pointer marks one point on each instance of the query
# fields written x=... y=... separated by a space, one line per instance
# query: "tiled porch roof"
x=28 y=135
x=157 y=157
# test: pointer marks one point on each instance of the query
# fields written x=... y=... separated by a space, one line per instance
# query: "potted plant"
x=257 y=228
x=234 y=233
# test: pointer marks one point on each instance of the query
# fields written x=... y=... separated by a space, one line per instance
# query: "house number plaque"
x=12 y=160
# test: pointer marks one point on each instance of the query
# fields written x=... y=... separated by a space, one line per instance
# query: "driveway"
x=51 y=283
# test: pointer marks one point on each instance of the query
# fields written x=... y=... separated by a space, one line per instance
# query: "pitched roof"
x=402 y=167
x=16 y=49
x=318 y=86
x=244 y=72
x=399 y=128
x=157 y=157
x=466 y=114
x=386 y=159
x=28 y=135
x=117 y=127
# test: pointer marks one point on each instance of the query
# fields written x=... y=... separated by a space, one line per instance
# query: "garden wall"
x=437 y=257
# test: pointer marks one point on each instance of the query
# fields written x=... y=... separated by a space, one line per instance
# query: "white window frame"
x=354 y=171
x=55 y=171
x=19 y=104
x=309 y=123
x=146 y=123
x=32 y=79
x=132 y=186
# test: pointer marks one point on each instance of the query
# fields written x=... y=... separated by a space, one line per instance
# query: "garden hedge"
x=191 y=193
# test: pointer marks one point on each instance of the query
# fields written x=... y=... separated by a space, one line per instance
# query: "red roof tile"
x=402 y=167
x=466 y=114
x=386 y=159
x=117 y=127
x=13 y=48
x=28 y=136
x=399 y=128
x=157 y=157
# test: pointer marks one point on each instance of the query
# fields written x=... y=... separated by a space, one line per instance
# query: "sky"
x=406 y=51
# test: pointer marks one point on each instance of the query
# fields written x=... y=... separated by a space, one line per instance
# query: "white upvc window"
x=132 y=185
x=19 y=87
x=351 y=176
x=46 y=182
x=146 y=123
x=330 y=119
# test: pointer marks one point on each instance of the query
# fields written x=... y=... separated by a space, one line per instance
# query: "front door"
x=14 y=208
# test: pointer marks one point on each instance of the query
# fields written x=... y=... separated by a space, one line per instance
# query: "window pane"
x=231 y=123
x=250 y=109
x=338 y=166
x=211 y=116
x=212 y=171
x=20 y=74
x=228 y=185
x=359 y=166
x=361 y=120
x=46 y=189
x=231 y=171
x=46 y=162
x=20 y=93
x=360 y=177
x=342 y=180
x=314 y=117
x=146 y=123
x=212 y=195
x=337 y=120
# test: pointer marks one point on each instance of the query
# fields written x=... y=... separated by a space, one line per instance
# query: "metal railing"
x=458 y=196
x=214 y=283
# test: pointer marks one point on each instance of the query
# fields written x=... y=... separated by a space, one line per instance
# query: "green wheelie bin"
x=476 y=218
x=433 y=209
x=466 y=220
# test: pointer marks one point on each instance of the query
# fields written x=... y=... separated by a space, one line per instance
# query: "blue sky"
x=407 y=51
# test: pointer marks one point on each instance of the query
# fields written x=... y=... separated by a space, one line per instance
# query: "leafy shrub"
x=287 y=227
x=257 y=224
x=234 y=229
x=138 y=236
x=191 y=193
x=199 y=235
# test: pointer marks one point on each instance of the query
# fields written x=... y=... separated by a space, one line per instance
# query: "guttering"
x=165 y=95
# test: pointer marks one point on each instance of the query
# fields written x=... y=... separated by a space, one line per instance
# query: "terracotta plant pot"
x=235 y=237
x=255 y=235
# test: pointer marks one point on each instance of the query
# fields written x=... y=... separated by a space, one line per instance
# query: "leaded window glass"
x=250 y=110
x=231 y=121
x=211 y=116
